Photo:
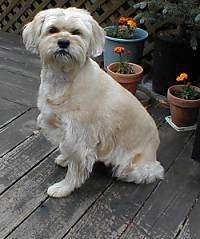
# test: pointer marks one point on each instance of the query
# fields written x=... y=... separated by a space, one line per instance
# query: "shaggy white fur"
x=82 y=109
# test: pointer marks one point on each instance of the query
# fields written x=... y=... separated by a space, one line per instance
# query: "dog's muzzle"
x=63 y=48
x=61 y=52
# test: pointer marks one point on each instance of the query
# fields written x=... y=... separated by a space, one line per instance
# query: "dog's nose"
x=63 y=43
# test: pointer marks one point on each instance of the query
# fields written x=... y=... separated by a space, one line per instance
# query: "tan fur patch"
x=104 y=149
x=136 y=159
x=54 y=122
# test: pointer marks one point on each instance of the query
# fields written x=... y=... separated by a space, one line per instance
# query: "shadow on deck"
x=102 y=207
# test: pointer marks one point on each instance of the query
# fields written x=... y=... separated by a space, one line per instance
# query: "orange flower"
x=182 y=77
x=122 y=21
x=131 y=23
x=119 y=50
x=178 y=78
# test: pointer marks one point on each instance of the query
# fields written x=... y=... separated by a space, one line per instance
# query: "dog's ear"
x=97 y=41
x=32 y=31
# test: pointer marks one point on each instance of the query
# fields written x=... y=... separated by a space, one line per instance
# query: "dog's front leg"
x=78 y=171
x=51 y=127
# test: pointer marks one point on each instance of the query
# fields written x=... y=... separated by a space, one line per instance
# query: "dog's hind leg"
x=142 y=168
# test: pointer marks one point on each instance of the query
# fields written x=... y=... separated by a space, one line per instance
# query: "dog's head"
x=64 y=36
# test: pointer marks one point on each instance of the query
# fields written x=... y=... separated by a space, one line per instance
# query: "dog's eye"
x=76 y=32
x=53 y=30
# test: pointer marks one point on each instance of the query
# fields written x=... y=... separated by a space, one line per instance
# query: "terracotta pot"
x=183 y=112
x=128 y=81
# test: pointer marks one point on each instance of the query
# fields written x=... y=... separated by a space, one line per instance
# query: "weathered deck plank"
x=22 y=159
x=9 y=111
x=185 y=232
x=11 y=77
x=191 y=228
x=19 y=88
x=158 y=113
x=10 y=39
x=56 y=217
x=18 y=95
x=163 y=214
x=20 y=200
x=18 y=59
x=17 y=131
x=20 y=70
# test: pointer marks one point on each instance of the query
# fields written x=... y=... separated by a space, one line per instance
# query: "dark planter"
x=172 y=57
x=183 y=112
x=135 y=45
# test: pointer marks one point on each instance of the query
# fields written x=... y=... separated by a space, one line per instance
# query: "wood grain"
x=22 y=159
x=9 y=111
x=17 y=131
x=190 y=228
x=26 y=195
x=19 y=95
x=21 y=63
x=57 y=216
x=163 y=214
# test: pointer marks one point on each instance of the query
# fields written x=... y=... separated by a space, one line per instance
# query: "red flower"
x=122 y=21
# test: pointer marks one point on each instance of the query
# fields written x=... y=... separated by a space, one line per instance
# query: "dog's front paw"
x=61 y=161
x=60 y=189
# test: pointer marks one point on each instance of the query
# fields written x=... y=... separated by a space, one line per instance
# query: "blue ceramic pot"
x=135 y=46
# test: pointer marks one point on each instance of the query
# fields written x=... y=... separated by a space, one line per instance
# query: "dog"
x=83 y=111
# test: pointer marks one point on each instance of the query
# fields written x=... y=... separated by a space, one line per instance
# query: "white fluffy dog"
x=82 y=109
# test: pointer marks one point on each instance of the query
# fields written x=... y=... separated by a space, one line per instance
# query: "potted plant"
x=126 y=73
x=126 y=34
x=184 y=102
x=175 y=28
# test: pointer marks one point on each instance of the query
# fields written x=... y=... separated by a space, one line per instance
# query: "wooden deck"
x=102 y=207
